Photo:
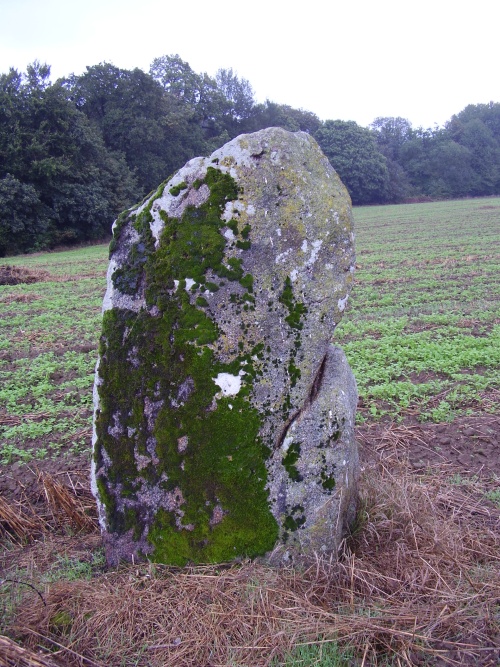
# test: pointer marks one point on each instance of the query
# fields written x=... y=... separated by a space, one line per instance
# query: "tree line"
x=75 y=153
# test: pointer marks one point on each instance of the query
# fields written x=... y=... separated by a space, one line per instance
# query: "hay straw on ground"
x=13 y=655
x=16 y=420
x=66 y=505
x=419 y=577
x=16 y=525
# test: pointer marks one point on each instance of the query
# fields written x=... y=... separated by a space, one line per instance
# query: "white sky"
x=353 y=60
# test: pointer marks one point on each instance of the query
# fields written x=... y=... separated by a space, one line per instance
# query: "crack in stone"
x=311 y=397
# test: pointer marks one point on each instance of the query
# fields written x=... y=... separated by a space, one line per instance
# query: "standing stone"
x=223 y=413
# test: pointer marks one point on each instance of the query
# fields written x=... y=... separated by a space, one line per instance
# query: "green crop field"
x=418 y=580
x=422 y=332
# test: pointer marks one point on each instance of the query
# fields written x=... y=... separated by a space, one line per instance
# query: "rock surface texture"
x=223 y=413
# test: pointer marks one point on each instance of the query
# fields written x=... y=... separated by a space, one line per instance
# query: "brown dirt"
x=16 y=275
x=468 y=445
x=21 y=481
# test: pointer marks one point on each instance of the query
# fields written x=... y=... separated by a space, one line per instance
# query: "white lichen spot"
x=304 y=245
x=182 y=443
x=315 y=251
x=231 y=208
x=342 y=303
x=278 y=231
x=293 y=275
x=156 y=224
x=133 y=358
x=229 y=234
x=189 y=283
x=286 y=443
x=282 y=256
x=117 y=430
x=229 y=384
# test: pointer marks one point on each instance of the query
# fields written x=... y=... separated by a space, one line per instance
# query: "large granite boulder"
x=223 y=413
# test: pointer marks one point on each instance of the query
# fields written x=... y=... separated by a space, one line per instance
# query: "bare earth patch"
x=17 y=275
x=469 y=445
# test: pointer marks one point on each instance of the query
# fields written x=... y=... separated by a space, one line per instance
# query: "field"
x=418 y=580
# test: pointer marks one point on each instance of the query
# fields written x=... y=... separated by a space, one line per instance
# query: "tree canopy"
x=76 y=152
x=354 y=154
x=59 y=182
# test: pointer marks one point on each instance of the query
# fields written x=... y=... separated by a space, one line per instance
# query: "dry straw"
x=419 y=578
x=13 y=655
x=16 y=525
x=65 y=505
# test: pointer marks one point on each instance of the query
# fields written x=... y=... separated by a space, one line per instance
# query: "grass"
x=418 y=580
x=327 y=654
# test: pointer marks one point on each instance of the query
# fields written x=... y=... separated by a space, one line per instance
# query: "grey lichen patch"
x=224 y=290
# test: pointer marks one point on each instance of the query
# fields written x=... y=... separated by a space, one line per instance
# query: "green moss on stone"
x=290 y=459
x=296 y=309
x=176 y=189
x=294 y=373
x=295 y=519
x=201 y=301
x=327 y=481
x=247 y=282
x=126 y=279
x=121 y=221
x=158 y=390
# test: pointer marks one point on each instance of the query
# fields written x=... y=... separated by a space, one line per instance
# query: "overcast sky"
x=353 y=60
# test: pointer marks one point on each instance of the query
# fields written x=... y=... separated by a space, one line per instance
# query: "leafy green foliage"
x=422 y=329
x=58 y=181
x=461 y=159
x=354 y=154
